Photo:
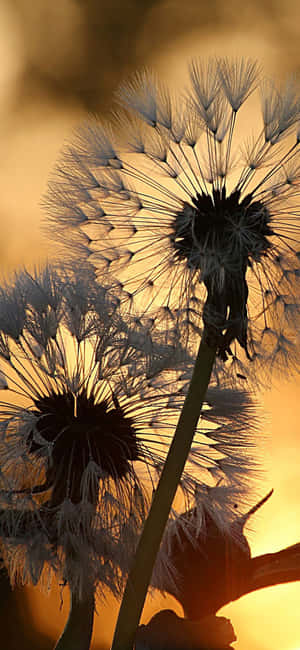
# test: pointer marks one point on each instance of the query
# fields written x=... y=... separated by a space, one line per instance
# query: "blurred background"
x=59 y=62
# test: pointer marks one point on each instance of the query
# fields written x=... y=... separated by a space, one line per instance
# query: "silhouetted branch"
x=273 y=569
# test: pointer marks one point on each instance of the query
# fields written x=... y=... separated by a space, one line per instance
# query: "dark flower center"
x=82 y=430
x=218 y=224
x=222 y=236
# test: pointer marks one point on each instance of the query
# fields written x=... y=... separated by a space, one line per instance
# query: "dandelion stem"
x=79 y=627
x=140 y=574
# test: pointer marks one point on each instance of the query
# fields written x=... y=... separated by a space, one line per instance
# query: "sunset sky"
x=61 y=61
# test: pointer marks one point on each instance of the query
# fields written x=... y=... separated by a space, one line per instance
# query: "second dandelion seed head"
x=90 y=397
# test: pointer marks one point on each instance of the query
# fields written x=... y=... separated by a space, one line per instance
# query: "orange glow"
x=32 y=133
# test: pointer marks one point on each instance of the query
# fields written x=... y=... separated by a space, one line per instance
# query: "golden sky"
x=62 y=60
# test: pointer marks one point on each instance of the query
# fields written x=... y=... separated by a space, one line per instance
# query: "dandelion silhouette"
x=189 y=214
x=90 y=399
x=85 y=417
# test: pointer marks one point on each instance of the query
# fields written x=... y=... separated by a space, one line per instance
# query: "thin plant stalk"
x=79 y=627
x=140 y=574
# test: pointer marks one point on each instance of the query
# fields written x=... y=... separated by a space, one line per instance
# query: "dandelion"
x=188 y=212
x=90 y=396
x=76 y=418
x=198 y=221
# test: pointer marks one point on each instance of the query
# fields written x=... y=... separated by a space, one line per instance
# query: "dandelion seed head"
x=176 y=205
x=90 y=397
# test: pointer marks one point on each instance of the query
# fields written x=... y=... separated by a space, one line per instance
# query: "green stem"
x=140 y=574
x=79 y=627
